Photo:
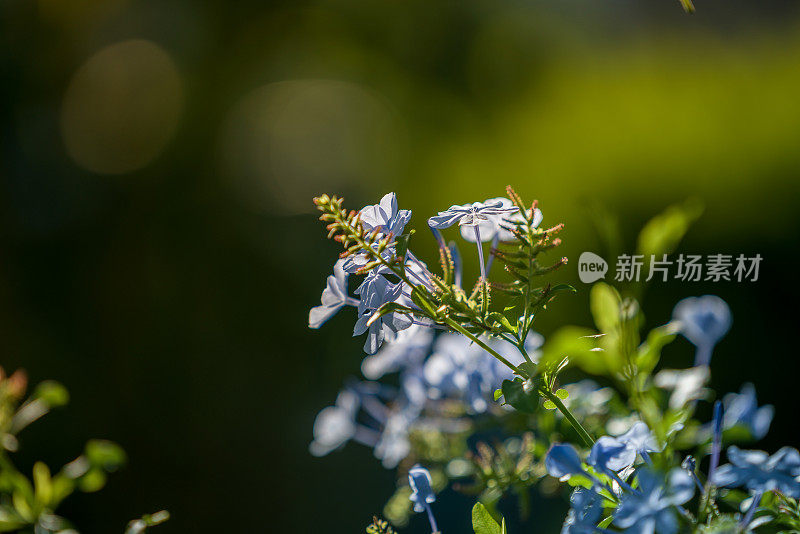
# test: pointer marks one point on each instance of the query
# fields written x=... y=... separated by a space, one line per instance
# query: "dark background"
x=159 y=254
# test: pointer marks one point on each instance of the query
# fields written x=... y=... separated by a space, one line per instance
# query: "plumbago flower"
x=653 y=506
x=742 y=410
x=703 y=321
x=760 y=472
x=471 y=217
x=414 y=295
x=465 y=365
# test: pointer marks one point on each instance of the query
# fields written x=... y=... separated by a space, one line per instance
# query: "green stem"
x=549 y=395
x=460 y=329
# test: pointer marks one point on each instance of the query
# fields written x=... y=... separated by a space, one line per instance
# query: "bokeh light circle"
x=121 y=107
x=288 y=141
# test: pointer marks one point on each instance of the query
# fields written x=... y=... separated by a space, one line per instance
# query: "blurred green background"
x=159 y=254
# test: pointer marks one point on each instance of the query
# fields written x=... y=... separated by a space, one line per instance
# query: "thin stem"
x=434 y=528
x=480 y=251
x=461 y=330
x=495 y=242
x=521 y=347
x=549 y=395
x=752 y=510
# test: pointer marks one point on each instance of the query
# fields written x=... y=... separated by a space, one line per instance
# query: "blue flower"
x=562 y=460
x=334 y=297
x=419 y=479
x=586 y=508
x=611 y=455
x=687 y=385
x=393 y=445
x=385 y=217
x=496 y=227
x=458 y=368
x=757 y=471
x=375 y=291
x=335 y=425
x=471 y=214
x=422 y=493
x=652 y=507
x=641 y=440
x=703 y=321
x=742 y=410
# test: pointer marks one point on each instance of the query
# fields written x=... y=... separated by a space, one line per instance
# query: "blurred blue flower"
x=652 y=507
x=586 y=508
x=757 y=471
x=408 y=349
x=611 y=455
x=703 y=321
x=587 y=398
x=385 y=217
x=562 y=460
x=741 y=409
x=334 y=297
x=393 y=445
x=335 y=425
x=458 y=368
x=641 y=440
x=422 y=492
x=687 y=385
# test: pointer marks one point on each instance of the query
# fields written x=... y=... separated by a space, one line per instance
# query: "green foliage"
x=379 y=526
x=32 y=503
x=516 y=395
x=484 y=523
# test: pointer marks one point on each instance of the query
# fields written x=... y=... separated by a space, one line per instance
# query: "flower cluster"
x=456 y=380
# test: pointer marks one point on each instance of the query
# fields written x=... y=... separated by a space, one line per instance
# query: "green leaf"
x=663 y=233
x=650 y=351
x=146 y=521
x=104 y=454
x=43 y=486
x=563 y=287
x=385 y=309
x=402 y=243
x=562 y=394
x=605 y=304
x=549 y=405
x=497 y=394
x=499 y=319
x=514 y=392
x=483 y=522
x=52 y=393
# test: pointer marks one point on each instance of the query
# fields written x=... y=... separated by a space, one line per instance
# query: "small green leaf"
x=663 y=233
x=605 y=522
x=497 y=394
x=605 y=304
x=104 y=454
x=483 y=522
x=43 y=486
x=52 y=393
x=501 y=320
x=549 y=405
x=563 y=287
x=514 y=392
x=389 y=307
x=562 y=394
x=402 y=243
